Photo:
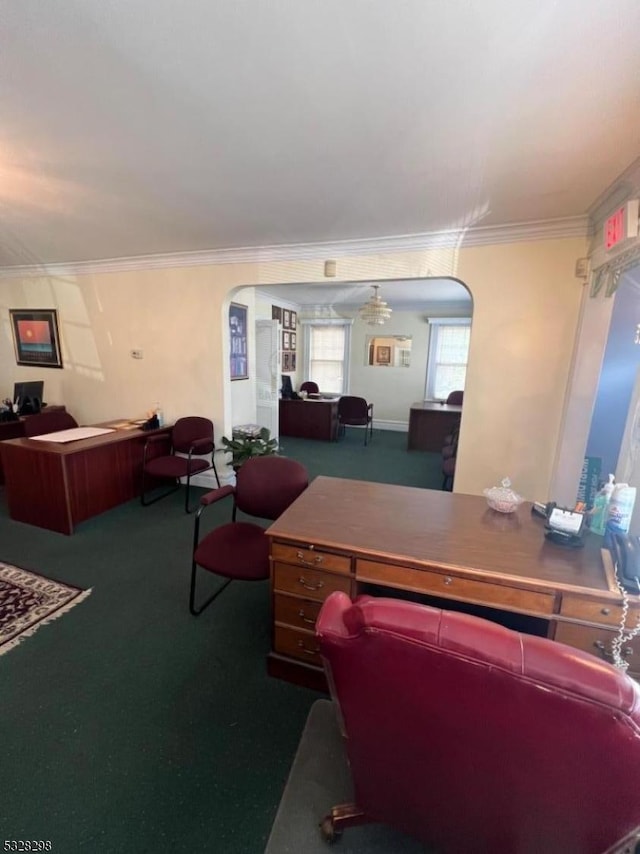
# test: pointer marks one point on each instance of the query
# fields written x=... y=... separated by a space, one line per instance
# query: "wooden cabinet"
x=302 y=576
x=598 y=641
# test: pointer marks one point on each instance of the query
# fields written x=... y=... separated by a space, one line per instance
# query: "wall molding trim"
x=577 y=226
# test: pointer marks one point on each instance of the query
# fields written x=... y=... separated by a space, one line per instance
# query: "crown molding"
x=577 y=226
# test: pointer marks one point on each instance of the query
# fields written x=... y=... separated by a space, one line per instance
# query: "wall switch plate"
x=136 y=354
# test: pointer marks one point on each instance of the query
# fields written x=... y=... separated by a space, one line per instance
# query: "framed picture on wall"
x=286 y=362
x=238 y=356
x=276 y=313
x=286 y=342
x=286 y=319
x=294 y=319
x=383 y=355
x=292 y=339
x=35 y=337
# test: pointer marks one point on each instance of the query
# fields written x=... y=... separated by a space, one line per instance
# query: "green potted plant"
x=244 y=447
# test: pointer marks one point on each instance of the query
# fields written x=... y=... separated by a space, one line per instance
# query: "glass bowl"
x=503 y=498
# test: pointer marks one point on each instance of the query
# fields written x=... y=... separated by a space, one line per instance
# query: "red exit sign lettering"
x=622 y=224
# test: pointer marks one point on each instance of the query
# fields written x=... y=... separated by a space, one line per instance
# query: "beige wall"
x=526 y=303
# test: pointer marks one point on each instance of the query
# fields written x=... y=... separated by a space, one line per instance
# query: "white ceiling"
x=132 y=127
x=412 y=295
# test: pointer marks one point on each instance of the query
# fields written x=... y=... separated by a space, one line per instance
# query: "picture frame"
x=238 y=349
x=383 y=355
x=286 y=318
x=292 y=340
x=276 y=313
x=286 y=362
x=293 y=319
x=286 y=341
x=35 y=337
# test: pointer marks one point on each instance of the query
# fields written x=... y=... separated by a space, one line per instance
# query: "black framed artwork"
x=276 y=313
x=238 y=356
x=286 y=318
x=35 y=337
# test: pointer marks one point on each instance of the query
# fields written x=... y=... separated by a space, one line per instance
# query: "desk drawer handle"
x=306 y=649
x=627 y=651
x=599 y=645
x=317 y=559
x=318 y=586
x=448 y=580
x=606 y=611
x=304 y=618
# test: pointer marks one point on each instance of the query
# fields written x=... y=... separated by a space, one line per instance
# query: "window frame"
x=306 y=325
x=432 y=365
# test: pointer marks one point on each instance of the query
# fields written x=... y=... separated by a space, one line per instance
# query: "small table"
x=309 y=419
x=429 y=423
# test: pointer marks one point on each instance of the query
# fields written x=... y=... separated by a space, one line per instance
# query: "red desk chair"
x=310 y=387
x=48 y=422
x=191 y=436
x=265 y=487
x=473 y=737
x=455 y=398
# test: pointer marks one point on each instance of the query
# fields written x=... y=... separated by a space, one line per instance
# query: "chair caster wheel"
x=328 y=830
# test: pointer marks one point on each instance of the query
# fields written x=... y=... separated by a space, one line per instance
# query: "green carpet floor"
x=128 y=724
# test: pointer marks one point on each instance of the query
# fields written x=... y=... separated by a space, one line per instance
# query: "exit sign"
x=622 y=224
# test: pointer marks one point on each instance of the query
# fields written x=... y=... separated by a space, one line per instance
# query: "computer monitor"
x=287 y=387
x=28 y=396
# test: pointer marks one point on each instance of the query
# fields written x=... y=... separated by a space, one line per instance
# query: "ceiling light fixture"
x=375 y=312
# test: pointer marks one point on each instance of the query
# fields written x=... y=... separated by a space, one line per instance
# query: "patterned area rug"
x=28 y=601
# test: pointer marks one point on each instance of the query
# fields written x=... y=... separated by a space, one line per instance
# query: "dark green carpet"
x=128 y=724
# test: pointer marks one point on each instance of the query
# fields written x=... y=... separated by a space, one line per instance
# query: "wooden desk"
x=56 y=486
x=451 y=549
x=309 y=419
x=15 y=429
x=429 y=423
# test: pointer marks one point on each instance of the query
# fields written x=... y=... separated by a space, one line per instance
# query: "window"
x=448 y=355
x=328 y=351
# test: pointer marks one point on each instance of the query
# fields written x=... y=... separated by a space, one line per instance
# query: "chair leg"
x=147 y=503
x=192 y=593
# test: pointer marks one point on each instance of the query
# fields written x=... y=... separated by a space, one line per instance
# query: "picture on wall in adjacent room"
x=383 y=355
x=35 y=337
x=238 y=357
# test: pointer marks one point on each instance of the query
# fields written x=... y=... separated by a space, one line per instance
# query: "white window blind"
x=327 y=347
x=448 y=356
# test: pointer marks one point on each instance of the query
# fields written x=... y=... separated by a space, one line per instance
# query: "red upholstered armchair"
x=310 y=387
x=455 y=398
x=472 y=737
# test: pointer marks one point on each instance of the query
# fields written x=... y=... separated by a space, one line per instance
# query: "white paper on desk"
x=73 y=434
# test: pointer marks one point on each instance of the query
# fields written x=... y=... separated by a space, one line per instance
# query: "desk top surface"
x=438 y=529
x=435 y=406
x=116 y=434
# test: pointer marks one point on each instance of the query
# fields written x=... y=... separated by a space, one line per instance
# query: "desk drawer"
x=311 y=558
x=598 y=642
x=455 y=587
x=298 y=613
x=308 y=583
x=297 y=644
x=592 y=611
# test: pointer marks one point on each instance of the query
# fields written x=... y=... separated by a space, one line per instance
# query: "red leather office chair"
x=472 y=737
x=310 y=387
x=356 y=412
x=48 y=422
x=191 y=436
x=265 y=487
x=455 y=398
